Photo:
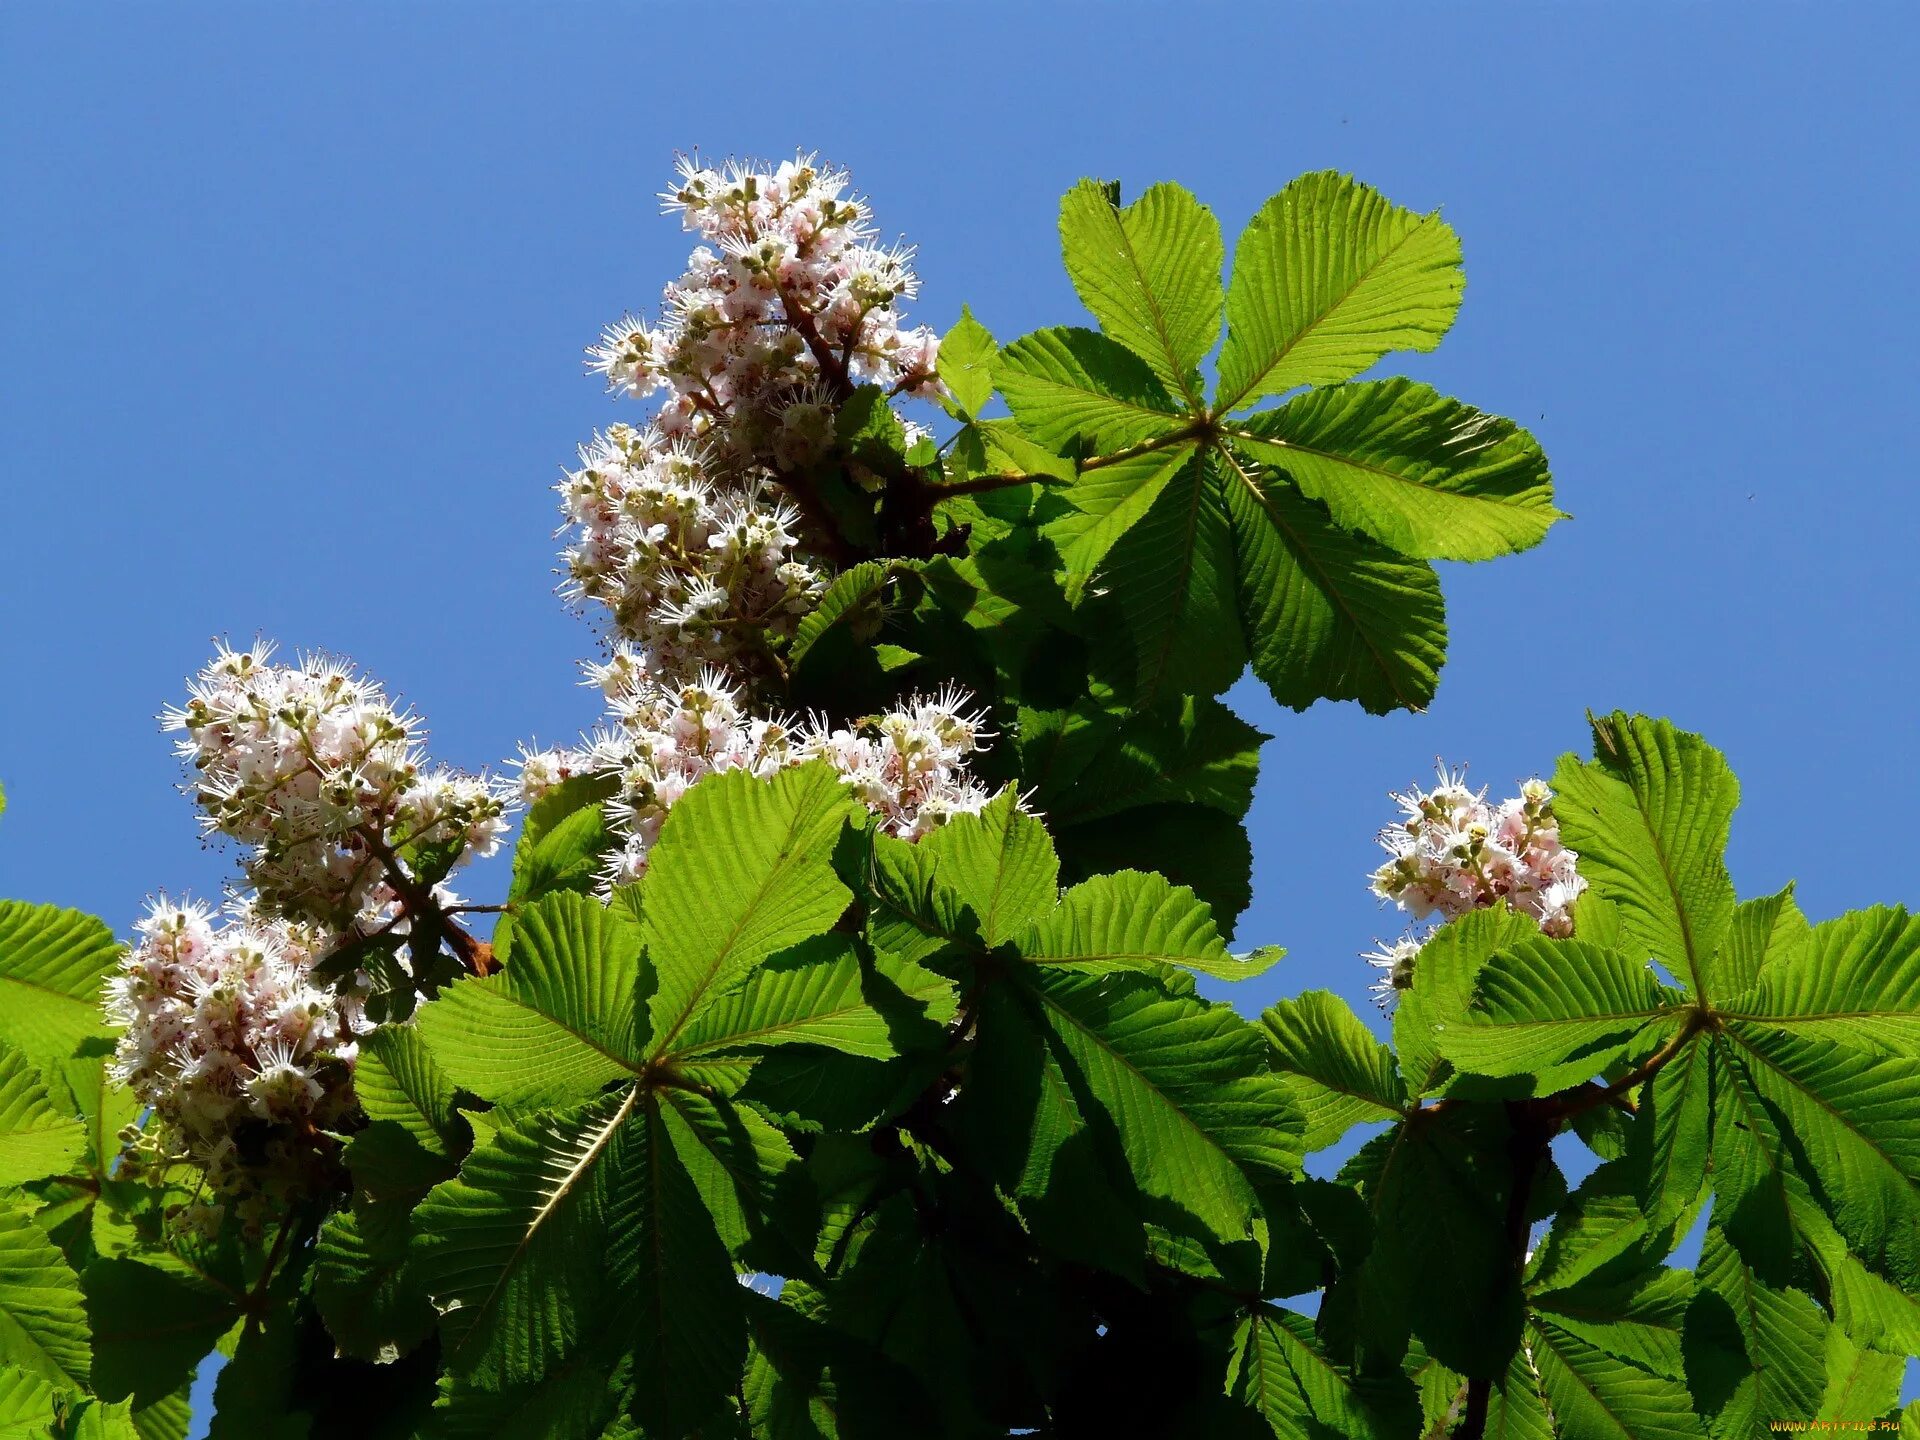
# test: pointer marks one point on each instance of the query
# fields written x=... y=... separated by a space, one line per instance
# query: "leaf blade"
x=1329 y=277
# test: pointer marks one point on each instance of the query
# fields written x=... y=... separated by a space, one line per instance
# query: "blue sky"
x=294 y=298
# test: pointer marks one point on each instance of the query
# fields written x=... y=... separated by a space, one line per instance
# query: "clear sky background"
x=294 y=299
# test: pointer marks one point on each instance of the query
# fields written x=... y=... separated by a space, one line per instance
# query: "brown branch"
x=1569 y=1103
x=835 y=371
x=417 y=900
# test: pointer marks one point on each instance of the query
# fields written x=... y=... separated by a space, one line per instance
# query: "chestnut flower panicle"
x=243 y=1058
x=673 y=526
x=314 y=771
x=696 y=571
x=1451 y=852
x=909 y=766
x=791 y=287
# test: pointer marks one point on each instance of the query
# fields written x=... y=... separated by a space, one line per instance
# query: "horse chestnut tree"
x=834 y=1066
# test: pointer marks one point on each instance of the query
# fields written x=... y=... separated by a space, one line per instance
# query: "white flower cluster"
x=674 y=526
x=243 y=1059
x=314 y=771
x=791 y=291
x=907 y=766
x=790 y=305
x=697 y=570
x=1451 y=853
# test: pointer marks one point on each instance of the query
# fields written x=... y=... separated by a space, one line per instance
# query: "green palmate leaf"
x=514 y=1251
x=253 y=1398
x=869 y=431
x=1515 y=1408
x=1339 y=1074
x=1136 y=921
x=743 y=869
x=1754 y=1353
x=1601 y=1228
x=1854 y=979
x=1768 y=1206
x=151 y=1327
x=1183 y=1086
x=559 y=1022
x=1193 y=845
x=1762 y=932
x=1638 y=1317
x=1440 y=1390
x=689 y=1335
x=373 y=1306
x=1866 y=1305
x=909 y=915
x=816 y=994
x=956 y=1314
x=1426 y=476
x=414 y=1135
x=1004 y=594
x=26 y=1404
x=1602 y=1129
x=1548 y=1005
x=1607 y=1355
x=1844 y=1121
x=1668 y=1144
x=967 y=354
x=1757 y=1190
x=36 y=1140
x=104 y=1107
x=1150 y=273
x=853 y=599
x=574 y=1399
x=806 y=1379
x=168 y=1418
x=1443 y=980
x=1594 y=1395
x=1055 y=746
x=1280 y=1369
x=98 y=1420
x=1022 y=1119
x=1649 y=817
x=1006 y=449
x=1436 y=1187
x=1000 y=865
x=43 y=1319
x=1109 y=500
x=563 y=843
x=1194 y=750
x=1171 y=577
x=746 y=1174
x=1327 y=613
x=53 y=963
x=1068 y=386
x=1862 y=1385
x=1329 y=277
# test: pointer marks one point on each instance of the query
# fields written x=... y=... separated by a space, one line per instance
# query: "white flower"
x=1451 y=852
x=1395 y=960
